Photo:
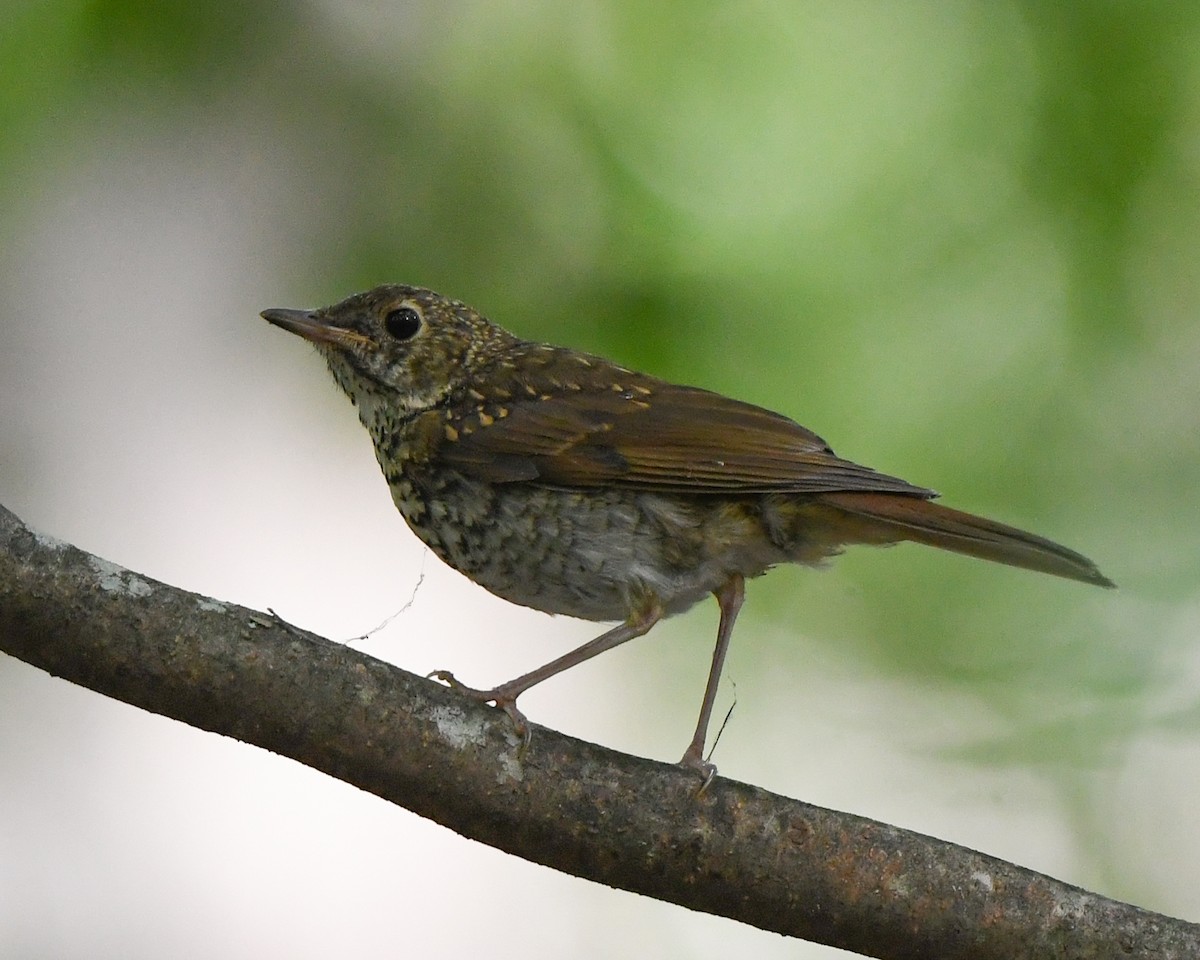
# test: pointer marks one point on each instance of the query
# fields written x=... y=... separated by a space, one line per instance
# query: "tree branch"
x=733 y=850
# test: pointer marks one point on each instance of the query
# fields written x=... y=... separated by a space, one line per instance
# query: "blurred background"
x=959 y=240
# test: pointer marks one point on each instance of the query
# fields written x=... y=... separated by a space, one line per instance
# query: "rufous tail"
x=912 y=518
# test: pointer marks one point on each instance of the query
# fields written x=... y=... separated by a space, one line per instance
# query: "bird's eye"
x=402 y=323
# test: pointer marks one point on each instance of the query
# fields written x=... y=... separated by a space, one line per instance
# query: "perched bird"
x=564 y=482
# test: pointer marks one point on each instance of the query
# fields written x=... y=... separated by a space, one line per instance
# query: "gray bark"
x=731 y=849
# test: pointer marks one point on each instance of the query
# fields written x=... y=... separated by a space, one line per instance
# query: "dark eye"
x=402 y=323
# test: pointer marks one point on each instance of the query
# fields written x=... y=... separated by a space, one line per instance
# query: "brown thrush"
x=564 y=482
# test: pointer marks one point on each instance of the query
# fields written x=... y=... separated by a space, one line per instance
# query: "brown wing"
x=610 y=426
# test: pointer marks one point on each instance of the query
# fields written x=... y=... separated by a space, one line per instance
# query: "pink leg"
x=505 y=695
x=730 y=598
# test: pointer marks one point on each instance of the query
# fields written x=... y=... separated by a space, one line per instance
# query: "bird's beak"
x=309 y=325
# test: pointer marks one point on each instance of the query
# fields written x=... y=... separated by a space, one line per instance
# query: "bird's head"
x=396 y=350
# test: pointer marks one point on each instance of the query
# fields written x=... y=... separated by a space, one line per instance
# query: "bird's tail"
x=911 y=518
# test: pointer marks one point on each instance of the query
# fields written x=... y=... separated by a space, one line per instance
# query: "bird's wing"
x=614 y=427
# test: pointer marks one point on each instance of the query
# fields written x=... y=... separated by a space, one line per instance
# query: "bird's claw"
x=498 y=695
x=696 y=763
x=520 y=725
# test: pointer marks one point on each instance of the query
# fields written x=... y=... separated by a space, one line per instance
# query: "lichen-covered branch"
x=732 y=850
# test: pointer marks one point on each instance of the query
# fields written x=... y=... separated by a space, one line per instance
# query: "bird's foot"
x=693 y=759
x=501 y=697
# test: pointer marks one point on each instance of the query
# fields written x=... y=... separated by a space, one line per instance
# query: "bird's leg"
x=505 y=695
x=730 y=597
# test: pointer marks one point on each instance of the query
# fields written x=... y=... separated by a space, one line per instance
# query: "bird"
x=565 y=482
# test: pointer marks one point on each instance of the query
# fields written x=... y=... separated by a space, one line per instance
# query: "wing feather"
x=648 y=434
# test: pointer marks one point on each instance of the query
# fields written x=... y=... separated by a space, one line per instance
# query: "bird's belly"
x=593 y=554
